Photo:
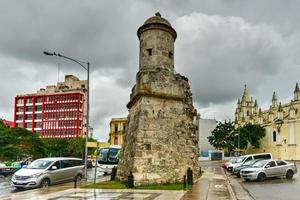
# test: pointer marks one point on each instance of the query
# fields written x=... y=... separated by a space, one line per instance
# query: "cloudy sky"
x=221 y=45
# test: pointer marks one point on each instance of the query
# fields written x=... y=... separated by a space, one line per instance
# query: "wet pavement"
x=213 y=184
x=87 y=194
x=5 y=187
x=7 y=190
x=274 y=188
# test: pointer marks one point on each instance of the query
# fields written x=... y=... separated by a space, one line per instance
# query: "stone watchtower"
x=161 y=138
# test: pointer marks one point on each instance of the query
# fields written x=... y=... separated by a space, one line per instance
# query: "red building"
x=56 y=115
x=7 y=123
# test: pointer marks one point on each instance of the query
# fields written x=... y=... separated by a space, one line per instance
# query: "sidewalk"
x=213 y=185
x=91 y=194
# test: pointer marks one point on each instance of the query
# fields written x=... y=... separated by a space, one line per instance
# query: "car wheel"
x=289 y=174
x=45 y=183
x=238 y=175
x=261 y=177
x=19 y=188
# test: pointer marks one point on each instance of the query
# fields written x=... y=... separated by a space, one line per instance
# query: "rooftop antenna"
x=58 y=72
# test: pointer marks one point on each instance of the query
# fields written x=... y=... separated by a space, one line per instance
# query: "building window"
x=19 y=117
x=38 y=124
x=116 y=128
x=274 y=136
x=116 y=140
x=29 y=108
x=20 y=109
x=124 y=127
x=28 y=117
x=20 y=101
x=38 y=108
x=20 y=125
x=248 y=113
x=38 y=116
x=29 y=125
x=39 y=99
x=149 y=52
x=29 y=100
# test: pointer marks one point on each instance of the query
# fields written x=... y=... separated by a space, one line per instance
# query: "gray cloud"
x=220 y=54
x=221 y=45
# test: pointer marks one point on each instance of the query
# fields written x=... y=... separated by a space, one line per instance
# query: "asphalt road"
x=274 y=188
x=5 y=185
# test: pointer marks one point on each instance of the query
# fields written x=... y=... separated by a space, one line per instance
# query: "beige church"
x=281 y=121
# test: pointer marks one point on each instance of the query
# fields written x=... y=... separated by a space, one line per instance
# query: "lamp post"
x=87 y=68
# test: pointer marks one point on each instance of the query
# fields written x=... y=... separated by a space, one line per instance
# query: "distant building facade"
x=55 y=112
x=281 y=121
x=206 y=126
x=117 y=130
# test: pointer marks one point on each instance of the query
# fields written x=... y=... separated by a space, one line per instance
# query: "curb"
x=238 y=190
x=229 y=186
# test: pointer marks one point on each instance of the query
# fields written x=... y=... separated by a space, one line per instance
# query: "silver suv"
x=269 y=168
x=46 y=171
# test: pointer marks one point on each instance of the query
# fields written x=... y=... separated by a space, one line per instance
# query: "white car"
x=269 y=168
x=242 y=159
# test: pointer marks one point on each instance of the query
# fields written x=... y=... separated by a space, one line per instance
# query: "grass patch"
x=174 y=186
x=119 y=185
x=106 y=185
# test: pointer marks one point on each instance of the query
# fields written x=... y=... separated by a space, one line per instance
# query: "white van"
x=242 y=159
x=46 y=171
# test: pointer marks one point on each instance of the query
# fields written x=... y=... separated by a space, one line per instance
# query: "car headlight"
x=34 y=176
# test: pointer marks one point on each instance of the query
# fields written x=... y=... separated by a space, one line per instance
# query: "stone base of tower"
x=161 y=142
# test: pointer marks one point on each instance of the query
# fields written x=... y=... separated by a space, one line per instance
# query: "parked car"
x=242 y=159
x=9 y=168
x=46 y=171
x=269 y=168
x=247 y=164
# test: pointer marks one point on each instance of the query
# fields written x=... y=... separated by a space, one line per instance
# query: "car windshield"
x=259 y=164
x=232 y=161
x=39 y=164
x=103 y=155
x=249 y=162
x=109 y=156
x=241 y=159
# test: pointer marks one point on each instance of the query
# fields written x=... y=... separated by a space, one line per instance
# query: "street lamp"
x=87 y=68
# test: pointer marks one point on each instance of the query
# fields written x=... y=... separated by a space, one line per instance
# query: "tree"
x=76 y=147
x=223 y=136
x=55 y=146
x=18 y=143
x=252 y=133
